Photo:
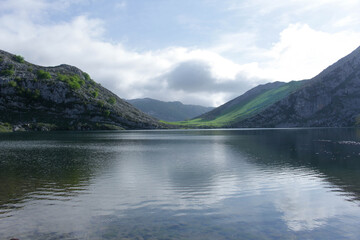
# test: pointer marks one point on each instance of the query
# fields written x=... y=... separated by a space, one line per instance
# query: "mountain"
x=62 y=97
x=168 y=111
x=249 y=104
x=331 y=99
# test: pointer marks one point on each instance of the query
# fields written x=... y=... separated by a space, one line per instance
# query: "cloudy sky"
x=198 y=52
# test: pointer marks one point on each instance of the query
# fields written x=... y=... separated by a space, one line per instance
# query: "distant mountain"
x=50 y=98
x=331 y=99
x=168 y=111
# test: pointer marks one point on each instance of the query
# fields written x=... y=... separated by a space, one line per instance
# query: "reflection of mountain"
x=333 y=153
x=46 y=168
x=222 y=184
x=247 y=177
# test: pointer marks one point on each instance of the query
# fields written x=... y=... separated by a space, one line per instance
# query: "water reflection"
x=45 y=168
x=209 y=184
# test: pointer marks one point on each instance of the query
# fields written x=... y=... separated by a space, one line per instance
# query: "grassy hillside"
x=244 y=109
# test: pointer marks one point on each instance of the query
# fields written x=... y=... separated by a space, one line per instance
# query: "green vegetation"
x=43 y=75
x=7 y=72
x=36 y=94
x=101 y=104
x=29 y=69
x=73 y=81
x=245 y=110
x=88 y=79
x=5 y=127
x=107 y=113
x=27 y=92
x=112 y=100
x=18 y=79
x=95 y=93
x=12 y=84
x=18 y=58
x=86 y=76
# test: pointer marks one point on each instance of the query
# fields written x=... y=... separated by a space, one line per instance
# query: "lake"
x=181 y=184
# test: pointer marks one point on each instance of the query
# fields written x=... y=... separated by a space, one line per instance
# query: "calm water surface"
x=195 y=184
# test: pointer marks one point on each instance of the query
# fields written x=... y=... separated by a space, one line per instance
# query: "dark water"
x=208 y=184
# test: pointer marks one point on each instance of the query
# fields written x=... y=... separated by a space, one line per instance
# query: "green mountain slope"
x=330 y=99
x=63 y=97
x=249 y=104
x=168 y=111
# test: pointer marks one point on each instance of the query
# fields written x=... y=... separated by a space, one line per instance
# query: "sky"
x=202 y=52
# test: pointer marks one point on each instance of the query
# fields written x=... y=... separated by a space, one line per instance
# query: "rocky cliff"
x=63 y=97
x=331 y=99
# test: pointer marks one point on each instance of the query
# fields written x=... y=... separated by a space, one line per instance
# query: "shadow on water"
x=335 y=153
x=331 y=155
x=56 y=166
x=198 y=184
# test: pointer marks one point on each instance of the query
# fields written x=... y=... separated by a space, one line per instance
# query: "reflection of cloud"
x=182 y=180
x=177 y=172
x=306 y=202
x=206 y=177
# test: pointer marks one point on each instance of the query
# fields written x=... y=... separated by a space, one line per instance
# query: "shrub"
x=95 y=93
x=73 y=81
x=12 y=83
x=100 y=104
x=21 y=90
x=18 y=59
x=107 y=113
x=7 y=72
x=42 y=75
x=86 y=76
x=112 y=100
x=29 y=69
x=36 y=94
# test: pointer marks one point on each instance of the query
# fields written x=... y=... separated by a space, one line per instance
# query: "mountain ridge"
x=61 y=97
x=329 y=99
x=168 y=111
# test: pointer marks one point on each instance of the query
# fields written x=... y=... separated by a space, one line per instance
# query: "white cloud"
x=121 y=5
x=346 y=21
x=266 y=7
x=301 y=52
x=128 y=73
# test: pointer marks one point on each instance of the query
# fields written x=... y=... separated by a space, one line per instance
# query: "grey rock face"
x=65 y=97
x=331 y=99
